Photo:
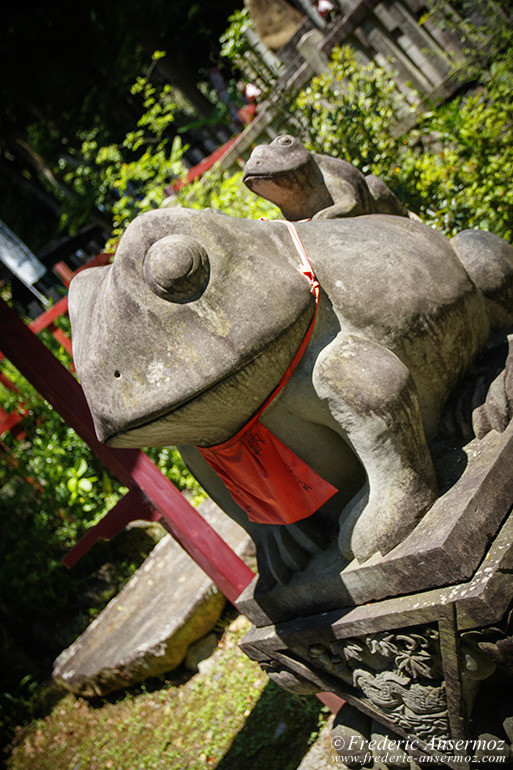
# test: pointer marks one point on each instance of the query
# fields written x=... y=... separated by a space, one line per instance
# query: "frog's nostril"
x=176 y=268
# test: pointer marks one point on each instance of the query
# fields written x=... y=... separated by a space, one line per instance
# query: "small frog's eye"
x=285 y=140
x=176 y=268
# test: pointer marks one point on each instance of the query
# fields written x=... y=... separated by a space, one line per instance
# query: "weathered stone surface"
x=306 y=185
x=199 y=652
x=391 y=341
x=275 y=21
x=147 y=629
x=321 y=756
x=434 y=665
x=445 y=548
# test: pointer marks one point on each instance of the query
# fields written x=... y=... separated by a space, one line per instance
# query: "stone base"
x=444 y=549
x=421 y=640
x=147 y=629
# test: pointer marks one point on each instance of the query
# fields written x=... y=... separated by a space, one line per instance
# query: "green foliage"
x=234 y=43
x=453 y=169
x=349 y=112
x=52 y=490
x=226 y=192
x=170 y=462
x=483 y=28
x=129 y=178
x=241 y=56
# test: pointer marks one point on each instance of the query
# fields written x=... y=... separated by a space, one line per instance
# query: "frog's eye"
x=285 y=140
x=176 y=268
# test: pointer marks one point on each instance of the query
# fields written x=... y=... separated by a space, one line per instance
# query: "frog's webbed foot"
x=376 y=523
x=348 y=204
x=285 y=549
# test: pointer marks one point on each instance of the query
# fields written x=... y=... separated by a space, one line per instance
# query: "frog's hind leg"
x=373 y=400
x=488 y=259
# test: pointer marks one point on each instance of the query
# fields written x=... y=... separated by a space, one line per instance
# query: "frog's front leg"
x=373 y=400
x=348 y=204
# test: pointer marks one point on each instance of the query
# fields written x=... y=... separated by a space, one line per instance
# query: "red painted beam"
x=203 y=165
x=332 y=701
x=64 y=272
x=103 y=258
x=62 y=338
x=7 y=383
x=49 y=316
x=186 y=525
x=131 y=507
x=131 y=466
x=8 y=421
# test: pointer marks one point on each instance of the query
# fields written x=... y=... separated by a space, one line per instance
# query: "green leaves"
x=129 y=178
x=454 y=168
x=233 y=41
x=226 y=192
x=80 y=486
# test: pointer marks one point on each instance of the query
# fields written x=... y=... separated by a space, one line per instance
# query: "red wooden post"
x=64 y=272
x=49 y=316
x=8 y=421
x=132 y=467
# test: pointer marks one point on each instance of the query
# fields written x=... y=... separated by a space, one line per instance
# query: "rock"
x=168 y=604
x=139 y=538
x=305 y=185
x=275 y=21
x=200 y=652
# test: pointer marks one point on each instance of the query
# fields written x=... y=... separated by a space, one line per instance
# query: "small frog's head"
x=287 y=174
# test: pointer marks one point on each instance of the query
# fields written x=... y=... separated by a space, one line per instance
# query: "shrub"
x=227 y=193
x=129 y=178
x=452 y=168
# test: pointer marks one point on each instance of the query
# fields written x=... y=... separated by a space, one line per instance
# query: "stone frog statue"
x=306 y=185
x=193 y=325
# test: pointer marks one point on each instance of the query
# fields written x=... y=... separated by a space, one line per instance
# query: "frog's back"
x=338 y=173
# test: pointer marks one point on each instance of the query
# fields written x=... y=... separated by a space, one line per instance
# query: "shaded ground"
x=229 y=717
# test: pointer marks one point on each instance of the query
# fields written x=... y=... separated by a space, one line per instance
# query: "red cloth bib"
x=264 y=477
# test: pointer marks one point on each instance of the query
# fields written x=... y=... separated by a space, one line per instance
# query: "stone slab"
x=324 y=650
x=444 y=549
x=481 y=601
x=146 y=630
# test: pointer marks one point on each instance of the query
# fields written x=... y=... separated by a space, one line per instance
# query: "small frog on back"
x=305 y=185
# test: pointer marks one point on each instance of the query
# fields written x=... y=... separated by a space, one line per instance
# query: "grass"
x=230 y=717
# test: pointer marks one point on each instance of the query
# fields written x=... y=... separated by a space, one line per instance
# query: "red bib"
x=264 y=477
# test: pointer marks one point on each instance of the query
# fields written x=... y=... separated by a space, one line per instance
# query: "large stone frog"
x=192 y=326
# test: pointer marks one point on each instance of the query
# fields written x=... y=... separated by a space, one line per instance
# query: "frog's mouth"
x=192 y=422
x=218 y=412
x=257 y=182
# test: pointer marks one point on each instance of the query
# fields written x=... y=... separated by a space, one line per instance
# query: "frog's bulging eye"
x=285 y=140
x=176 y=268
